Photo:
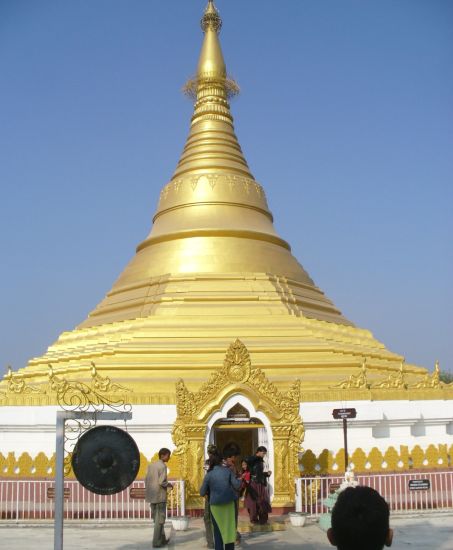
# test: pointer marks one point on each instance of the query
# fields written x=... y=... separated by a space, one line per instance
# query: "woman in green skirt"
x=221 y=487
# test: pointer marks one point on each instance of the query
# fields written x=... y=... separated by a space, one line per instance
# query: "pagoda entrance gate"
x=234 y=392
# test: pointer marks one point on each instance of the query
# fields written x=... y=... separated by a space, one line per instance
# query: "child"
x=245 y=476
x=246 y=489
x=360 y=520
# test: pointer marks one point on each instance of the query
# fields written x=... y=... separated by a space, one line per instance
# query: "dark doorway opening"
x=242 y=434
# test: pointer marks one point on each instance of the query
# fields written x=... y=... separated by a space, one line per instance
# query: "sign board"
x=419 y=484
x=340 y=414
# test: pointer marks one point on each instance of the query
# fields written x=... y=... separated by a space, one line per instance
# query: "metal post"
x=298 y=484
x=59 y=481
x=345 y=436
x=183 y=497
x=62 y=416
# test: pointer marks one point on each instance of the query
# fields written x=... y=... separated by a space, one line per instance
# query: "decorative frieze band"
x=376 y=461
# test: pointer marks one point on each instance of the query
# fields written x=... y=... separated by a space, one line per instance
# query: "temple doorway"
x=244 y=438
x=239 y=404
x=240 y=429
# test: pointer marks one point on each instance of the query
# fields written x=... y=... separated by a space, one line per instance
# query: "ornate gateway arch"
x=238 y=377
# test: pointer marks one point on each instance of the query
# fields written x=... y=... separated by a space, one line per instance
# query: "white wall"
x=32 y=429
x=380 y=424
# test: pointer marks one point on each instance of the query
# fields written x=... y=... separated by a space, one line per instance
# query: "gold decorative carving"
x=177 y=184
x=325 y=462
x=357 y=381
x=391 y=458
x=375 y=461
x=25 y=465
x=417 y=457
x=395 y=380
x=99 y=384
x=18 y=391
x=308 y=462
x=339 y=461
x=443 y=456
x=433 y=457
x=104 y=384
x=194 y=182
x=237 y=375
x=237 y=363
x=404 y=456
x=359 y=459
x=17 y=384
x=212 y=179
x=430 y=380
x=143 y=466
x=41 y=465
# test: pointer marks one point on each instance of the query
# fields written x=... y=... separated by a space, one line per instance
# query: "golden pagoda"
x=214 y=315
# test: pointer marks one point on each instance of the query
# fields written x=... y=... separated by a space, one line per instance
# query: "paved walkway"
x=411 y=533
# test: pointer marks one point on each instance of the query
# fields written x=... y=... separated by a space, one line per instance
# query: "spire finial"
x=211 y=18
x=211 y=70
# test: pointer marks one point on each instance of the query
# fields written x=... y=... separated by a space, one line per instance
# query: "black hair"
x=261 y=449
x=164 y=451
x=215 y=459
x=211 y=449
x=360 y=519
x=231 y=447
x=229 y=452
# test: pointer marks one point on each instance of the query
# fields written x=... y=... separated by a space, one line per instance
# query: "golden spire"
x=211 y=63
x=212 y=141
x=212 y=221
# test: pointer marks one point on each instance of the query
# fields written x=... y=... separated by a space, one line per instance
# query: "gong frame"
x=62 y=417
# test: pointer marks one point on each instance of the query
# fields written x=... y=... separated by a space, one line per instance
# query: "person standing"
x=156 y=487
x=230 y=455
x=221 y=485
x=257 y=498
x=246 y=492
x=212 y=450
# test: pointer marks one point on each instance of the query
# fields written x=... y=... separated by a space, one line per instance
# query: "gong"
x=106 y=460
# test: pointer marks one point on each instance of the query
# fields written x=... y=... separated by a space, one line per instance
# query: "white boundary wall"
x=32 y=429
x=380 y=424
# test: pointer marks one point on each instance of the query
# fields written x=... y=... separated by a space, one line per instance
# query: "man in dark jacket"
x=258 y=501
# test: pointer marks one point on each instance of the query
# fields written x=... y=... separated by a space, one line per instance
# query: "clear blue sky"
x=345 y=117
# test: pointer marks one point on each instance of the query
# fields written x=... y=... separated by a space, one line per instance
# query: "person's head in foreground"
x=360 y=520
